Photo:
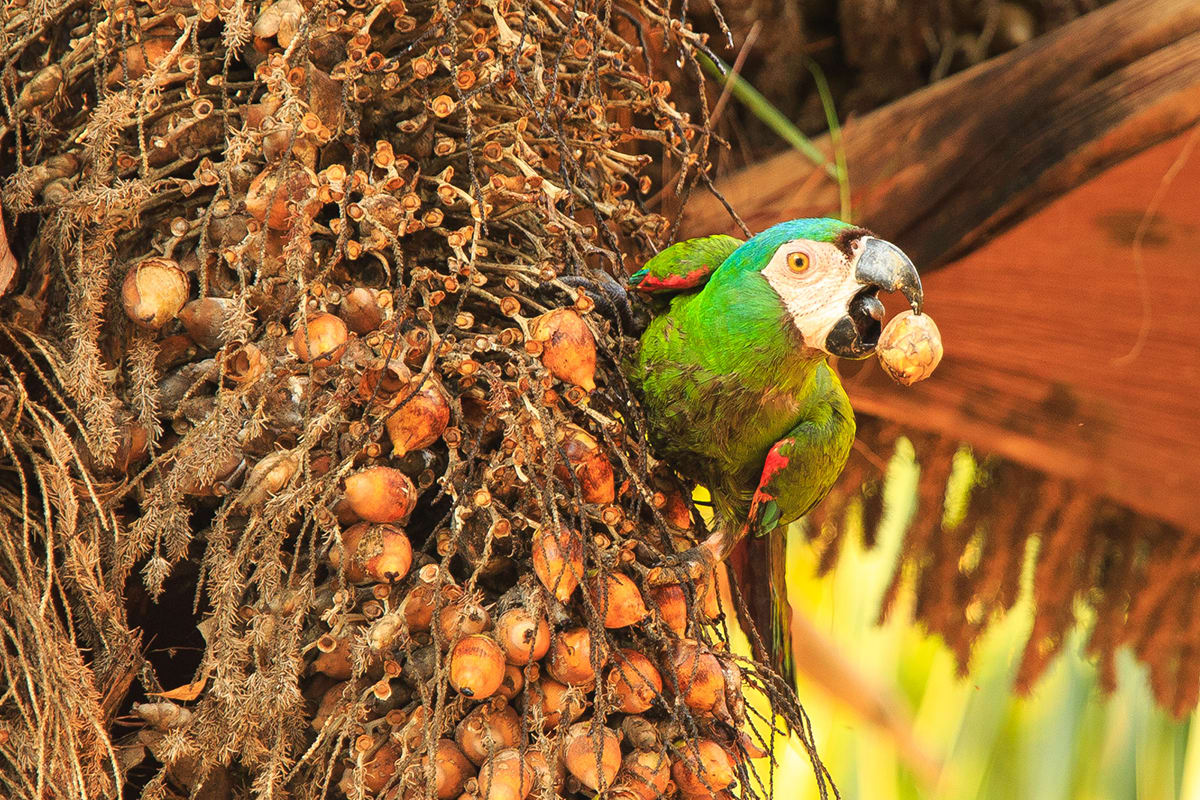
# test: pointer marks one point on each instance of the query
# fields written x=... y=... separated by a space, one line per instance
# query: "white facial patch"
x=816 y=297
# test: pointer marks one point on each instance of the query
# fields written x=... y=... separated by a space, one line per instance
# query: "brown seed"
x=635 y=680
x=419 y=420
x=206 y=320
x=592 y=468
x=476 y=666
x=380 y=494
x=701 y=682
x=505 y=776
x=380 y=553
x=333 y=662
x=487 y=730
x=568 y=348
x=379 y=769
x=558 y=560
x=524 y=637
x=269 y=475
x=322 y=342
x=644 y=773
x=360 y=311
x=593 y=755
x=418 y=607
x=280 y=192
x=704 y=767
x=570 y=657
x=246 y=364
x=671 y=602
x=154 y=291
x=910 y=347
x=618 y=599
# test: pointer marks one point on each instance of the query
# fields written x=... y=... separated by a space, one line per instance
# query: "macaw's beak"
x=878 y=266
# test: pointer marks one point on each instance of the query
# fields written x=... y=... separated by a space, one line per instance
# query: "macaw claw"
x=692 y=564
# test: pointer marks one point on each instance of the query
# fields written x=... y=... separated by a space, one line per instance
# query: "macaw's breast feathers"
x=683 y=266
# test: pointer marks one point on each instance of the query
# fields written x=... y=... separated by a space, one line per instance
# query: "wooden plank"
x=1071 y=339
x=943 y=168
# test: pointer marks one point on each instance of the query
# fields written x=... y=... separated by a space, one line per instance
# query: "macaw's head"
x=828 y=275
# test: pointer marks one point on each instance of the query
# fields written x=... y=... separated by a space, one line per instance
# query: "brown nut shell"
x=568 y=347
x=322 y=341
x=910 y=347
x=419 y=419
x=154 y=292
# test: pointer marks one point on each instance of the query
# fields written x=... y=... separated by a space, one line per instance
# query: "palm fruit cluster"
x=306 y=370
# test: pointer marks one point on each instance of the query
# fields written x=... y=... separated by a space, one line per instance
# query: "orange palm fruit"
x=380 y=494
x=591 y=467
x=523 y=636
x=558 y=560
x=644 y=774
x=378 y=771
x=418 y=420
x=476 y=666
x=671 y=602
x=154 y=292
x=568 y=347
x=513 y=683
x=570 y=657
x=487 y=730
x=701 y=681
x=451 y=769
x=617 y=597
x=462 y=618
x=558 y=702
x=505 y=776
x=322 y=341
x=380 y=553
x=593 y=755
x=703 y=768
x=635 y=680
x=418 y=606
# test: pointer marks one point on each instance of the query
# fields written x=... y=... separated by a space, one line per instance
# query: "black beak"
x=881 y=266
x=884 y=265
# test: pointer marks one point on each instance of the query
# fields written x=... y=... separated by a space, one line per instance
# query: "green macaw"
x=734 y=377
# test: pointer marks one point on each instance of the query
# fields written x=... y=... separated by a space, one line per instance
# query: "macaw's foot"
x=691 y=564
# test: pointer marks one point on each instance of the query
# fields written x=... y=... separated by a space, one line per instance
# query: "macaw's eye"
x=797 y=262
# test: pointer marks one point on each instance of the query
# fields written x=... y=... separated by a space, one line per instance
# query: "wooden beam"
x=1071 y=340
x=944 y=168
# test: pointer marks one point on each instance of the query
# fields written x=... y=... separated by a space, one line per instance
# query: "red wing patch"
x=657 y=283
x=776 y=461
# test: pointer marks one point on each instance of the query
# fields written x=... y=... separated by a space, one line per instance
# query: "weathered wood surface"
x=1068 y=314
x=1072 y=339
x=943 y=168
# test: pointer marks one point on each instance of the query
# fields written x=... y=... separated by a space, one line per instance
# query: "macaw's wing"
x=683 y=266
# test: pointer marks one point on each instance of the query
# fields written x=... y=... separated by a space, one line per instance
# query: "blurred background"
x=1000 y=599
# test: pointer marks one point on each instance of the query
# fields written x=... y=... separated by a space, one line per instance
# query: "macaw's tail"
x=759 y=565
